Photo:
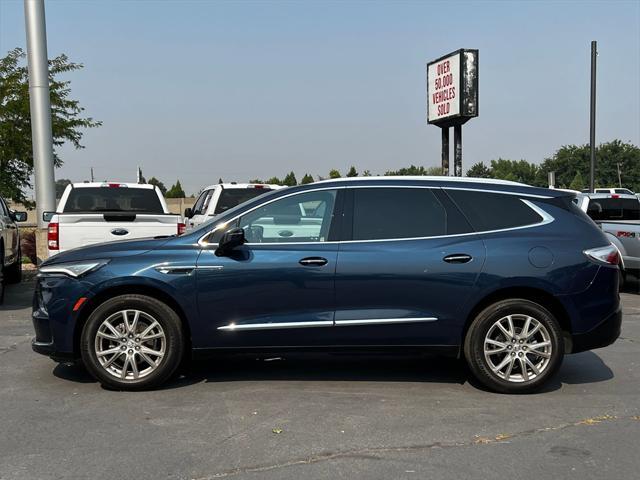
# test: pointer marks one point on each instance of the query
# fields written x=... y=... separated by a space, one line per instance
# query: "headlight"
x=74 y=269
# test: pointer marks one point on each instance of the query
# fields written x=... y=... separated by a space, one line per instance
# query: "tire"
x=131 y=365
x=542 y=351
x=13 y=273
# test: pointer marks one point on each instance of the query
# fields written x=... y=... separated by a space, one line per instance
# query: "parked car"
x=217 y=199
x=383 y=263
x=624 y=191
x=10 y=255
x=91 y=213
x=619 y=217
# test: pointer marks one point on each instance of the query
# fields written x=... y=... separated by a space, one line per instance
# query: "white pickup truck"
x=219 y=198
x=618 y=215
x=91 y=213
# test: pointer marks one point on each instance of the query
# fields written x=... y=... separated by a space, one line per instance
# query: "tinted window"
x=299 y=218
x=229 y=198
x=614 y=209
x=113 y=199
x=493 y=211
x=387 y=213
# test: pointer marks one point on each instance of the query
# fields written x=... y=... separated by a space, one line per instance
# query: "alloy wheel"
x=518 y=348
x=130 y=344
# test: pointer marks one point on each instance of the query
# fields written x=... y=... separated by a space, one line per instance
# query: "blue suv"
x=508 y=277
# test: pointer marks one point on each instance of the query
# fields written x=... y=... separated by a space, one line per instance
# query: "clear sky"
x=196 y=90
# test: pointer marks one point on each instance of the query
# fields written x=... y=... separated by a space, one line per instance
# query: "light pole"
x=40 y=105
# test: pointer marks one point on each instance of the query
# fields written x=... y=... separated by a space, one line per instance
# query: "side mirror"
x=19 y=216
x=47 y=216
x=188 y=213
x=230 y=239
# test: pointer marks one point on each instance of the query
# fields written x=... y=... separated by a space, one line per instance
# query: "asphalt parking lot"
x=320 y=417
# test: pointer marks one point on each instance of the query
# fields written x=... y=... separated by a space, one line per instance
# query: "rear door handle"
x=458 y=258
x=313 y=261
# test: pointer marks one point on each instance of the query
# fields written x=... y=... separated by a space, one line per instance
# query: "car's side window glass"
x=395 y=213
x=305 y=217
x=493 y=211
x=202 y=203
x=3 y=209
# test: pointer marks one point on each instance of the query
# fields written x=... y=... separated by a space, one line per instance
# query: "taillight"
x=182 y=227
x=608 y=255
x=625 y=234
x=53 y=236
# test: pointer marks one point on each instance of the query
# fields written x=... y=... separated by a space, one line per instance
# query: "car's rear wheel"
x=514 y=346
x=132 y=342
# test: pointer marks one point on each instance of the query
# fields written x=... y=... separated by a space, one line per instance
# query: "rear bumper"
x=603 y=334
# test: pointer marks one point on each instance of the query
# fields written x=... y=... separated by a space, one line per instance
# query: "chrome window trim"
x=546 y=217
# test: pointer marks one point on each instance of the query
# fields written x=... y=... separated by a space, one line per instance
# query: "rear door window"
x=396 y=213
x=113 y=199
x=493 y=211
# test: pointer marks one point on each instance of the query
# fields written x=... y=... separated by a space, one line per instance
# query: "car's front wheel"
x=132 y=342
x=514 y=346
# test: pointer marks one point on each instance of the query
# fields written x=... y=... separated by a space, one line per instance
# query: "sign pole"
x=457 y=155
x=445 y=151
x=592 y=123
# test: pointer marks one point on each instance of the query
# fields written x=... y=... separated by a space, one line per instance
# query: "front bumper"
x=49 y=350
x=603 y=334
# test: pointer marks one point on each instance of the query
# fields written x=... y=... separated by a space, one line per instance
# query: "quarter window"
x=393 y=213
x=494 y=211
x=299 y=218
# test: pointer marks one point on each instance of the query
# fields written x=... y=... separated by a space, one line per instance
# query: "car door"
x=408 y=263
x=9 y=234
x=278 y=288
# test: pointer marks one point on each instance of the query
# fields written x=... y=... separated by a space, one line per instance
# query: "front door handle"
x=458 y=258
x=313 y=261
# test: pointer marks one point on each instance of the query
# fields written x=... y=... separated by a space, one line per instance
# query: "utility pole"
x=41 y=137
x=592 y=125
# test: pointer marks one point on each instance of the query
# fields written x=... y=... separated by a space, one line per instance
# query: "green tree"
x=413 y=170
x=306 y=179
x=514 y=170
x=366 y=173
x=290 y=180
x=61 y=184
x=220 y=180
x=479 y=170
x=570 y=159
x=352 y=172
x=274 y=181
x=67 y=120
x=334 y=174
x=159 y=184
x=577 y=183
x=176 y=191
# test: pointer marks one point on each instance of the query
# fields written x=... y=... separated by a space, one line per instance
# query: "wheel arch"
x=543 y=298
x=117 y=290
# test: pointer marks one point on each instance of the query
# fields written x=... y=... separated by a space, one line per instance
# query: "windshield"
x=113 y=199
x=230 y=198
x=614 y=209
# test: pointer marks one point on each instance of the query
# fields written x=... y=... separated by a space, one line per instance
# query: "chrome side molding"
x=232 y=327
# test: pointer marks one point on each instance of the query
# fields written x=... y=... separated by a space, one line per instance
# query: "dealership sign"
x=452 y=88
